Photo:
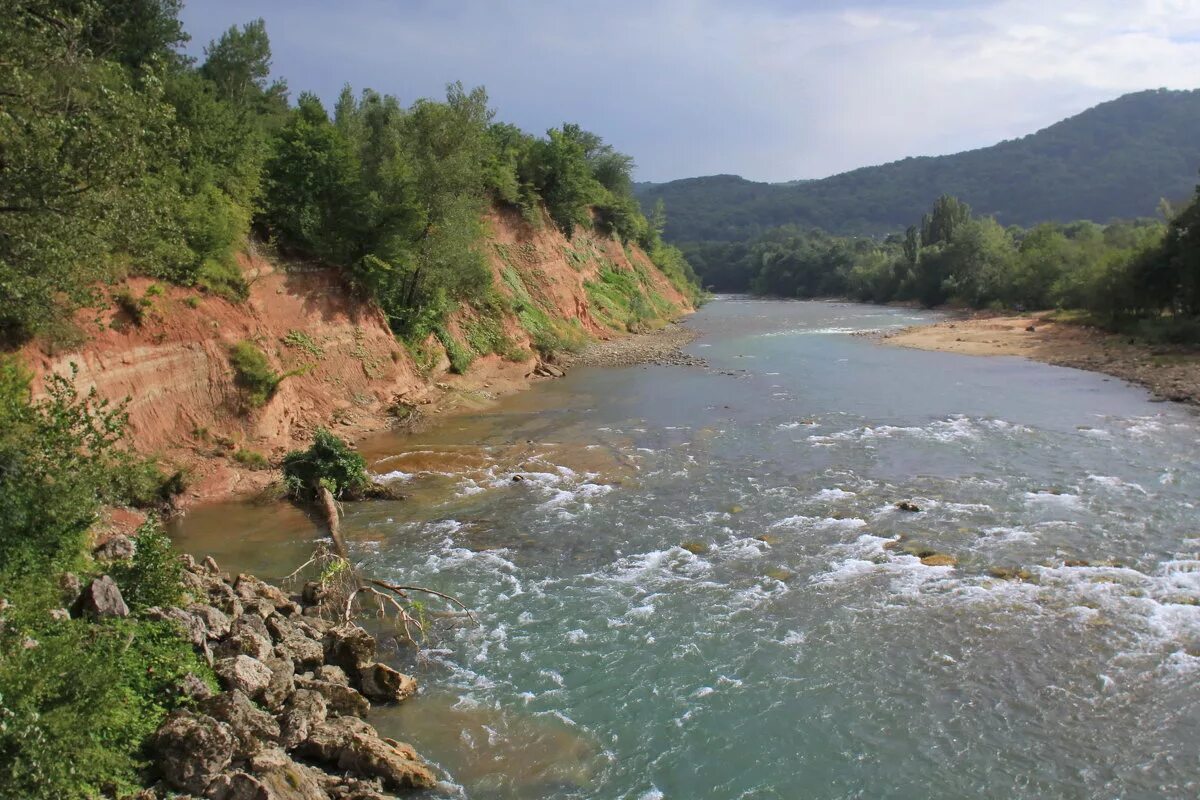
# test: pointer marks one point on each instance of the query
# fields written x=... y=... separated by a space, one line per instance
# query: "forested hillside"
x=121 y=156
x=1113 y=161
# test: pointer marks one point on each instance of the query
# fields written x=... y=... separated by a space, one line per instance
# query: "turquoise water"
x=792 y=654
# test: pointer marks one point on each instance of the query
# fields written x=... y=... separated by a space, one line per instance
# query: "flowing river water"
x=694 y=591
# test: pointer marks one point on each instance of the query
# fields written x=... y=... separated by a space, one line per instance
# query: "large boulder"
x=393 y=763
x=217 y=622
x=327 y=739
x=341 y=700
x=304 y=711
x=251 y=726
x=101 y=599
x=349 y=647
x=248 y=675
x=381 y=682
x=282 y=684
x=191 y=750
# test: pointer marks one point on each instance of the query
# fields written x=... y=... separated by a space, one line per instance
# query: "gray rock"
x=191 y=750
x=244 y=642
x=243 y=673
x=332 y=674
x=381 y=682
x=71 y=586
x=305 y=710
x=251 y=726
x=327 y=739
x=396 y=765
x=117 y=547
x=340 y=700
x=101 y=600
x=284 y=779
x=349 y=647
x=282 y=684
x=216 y=621
x=250 y=588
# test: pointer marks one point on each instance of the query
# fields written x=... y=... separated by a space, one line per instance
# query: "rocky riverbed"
x=663 y=347
x=295 y=687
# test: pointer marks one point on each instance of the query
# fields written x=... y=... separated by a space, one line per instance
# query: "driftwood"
x=337 y=567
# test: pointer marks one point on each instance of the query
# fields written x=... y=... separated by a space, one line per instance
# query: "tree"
x=239 y=65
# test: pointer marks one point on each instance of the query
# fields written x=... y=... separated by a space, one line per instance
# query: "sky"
x=767 y=89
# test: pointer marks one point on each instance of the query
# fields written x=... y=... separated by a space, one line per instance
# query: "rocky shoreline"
x=288 y=720
x=663 y=347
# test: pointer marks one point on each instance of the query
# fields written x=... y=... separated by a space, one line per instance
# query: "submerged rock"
x=905 y=505
x=939 y=560
x=695 y=548
x=381 y=682
x=1010 y=573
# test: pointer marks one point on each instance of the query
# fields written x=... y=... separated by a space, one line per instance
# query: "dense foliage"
x=77 y=698
x=330 y=463
x=1114 y=161
x=117 y=154
x=1122 y=272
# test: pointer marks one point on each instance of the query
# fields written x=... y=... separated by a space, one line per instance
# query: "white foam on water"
x=833 y=494
x=1112 y=482
x=1060 y=499
x=394 y=475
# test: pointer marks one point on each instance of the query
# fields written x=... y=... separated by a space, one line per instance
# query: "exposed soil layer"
x=1170 y=372
x=342 y=367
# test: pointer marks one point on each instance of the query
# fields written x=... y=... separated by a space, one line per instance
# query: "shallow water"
x=794 y=655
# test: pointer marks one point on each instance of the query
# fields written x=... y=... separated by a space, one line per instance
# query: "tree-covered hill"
x=1116 y=160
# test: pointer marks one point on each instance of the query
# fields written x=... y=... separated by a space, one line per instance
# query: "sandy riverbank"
x=1170 y=372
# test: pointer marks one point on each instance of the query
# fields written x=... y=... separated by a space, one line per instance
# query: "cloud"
x=770 y=90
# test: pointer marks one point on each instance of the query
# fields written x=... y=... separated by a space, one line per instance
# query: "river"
x=694 y=591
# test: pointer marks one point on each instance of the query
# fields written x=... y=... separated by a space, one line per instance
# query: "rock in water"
x=381 y=682
x=349 y=647
x=393 y=763
x=905 y=505
x=191 y=750
x=101 y=600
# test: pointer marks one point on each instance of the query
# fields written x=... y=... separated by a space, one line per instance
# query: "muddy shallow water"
x=693 y=592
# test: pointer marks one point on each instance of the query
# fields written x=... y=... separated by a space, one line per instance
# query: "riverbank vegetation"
x=123 y=156
x=1141 y=276
x=81 y=686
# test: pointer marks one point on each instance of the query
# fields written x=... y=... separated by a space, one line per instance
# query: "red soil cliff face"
x=347 y=369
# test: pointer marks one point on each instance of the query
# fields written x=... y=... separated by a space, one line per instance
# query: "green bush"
x=77 y=698
x=153 y=576
x=460 y=357
x=223 y=279
x=77 y=708
x=329 y=462
x=253 y=373
x=251 y=458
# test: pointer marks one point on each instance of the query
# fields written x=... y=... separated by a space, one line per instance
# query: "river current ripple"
x=702 y=587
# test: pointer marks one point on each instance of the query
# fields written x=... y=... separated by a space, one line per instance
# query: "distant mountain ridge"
x=1115 y=160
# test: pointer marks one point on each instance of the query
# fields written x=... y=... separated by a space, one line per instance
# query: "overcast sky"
x=767 y=89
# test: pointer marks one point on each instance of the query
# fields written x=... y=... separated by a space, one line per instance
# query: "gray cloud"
x=769 y=89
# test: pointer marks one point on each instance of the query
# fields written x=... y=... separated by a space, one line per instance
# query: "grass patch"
x=251 y=459
x=299 y=340
x=460 y=357
x=253 y=374
x=224 y=280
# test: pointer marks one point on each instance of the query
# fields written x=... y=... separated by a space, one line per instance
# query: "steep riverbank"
x=1170 y=372
x=337 y=362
